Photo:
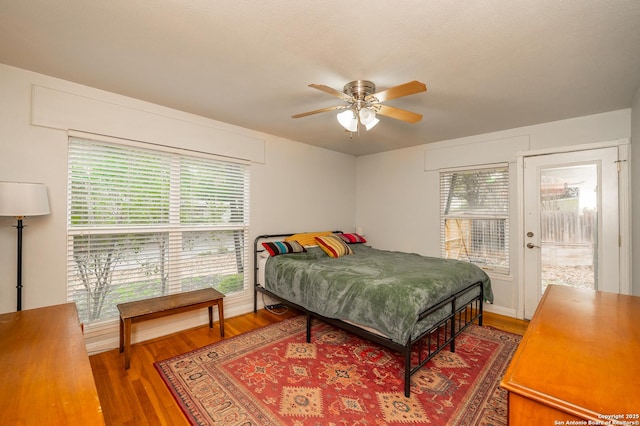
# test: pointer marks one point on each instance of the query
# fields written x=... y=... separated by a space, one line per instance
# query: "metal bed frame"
x=428 y=344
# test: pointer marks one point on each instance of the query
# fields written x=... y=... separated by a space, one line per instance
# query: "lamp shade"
x=368 y=118
x=23 y=199
x=348 y=120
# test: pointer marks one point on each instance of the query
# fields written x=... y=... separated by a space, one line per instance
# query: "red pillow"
x=352 y=238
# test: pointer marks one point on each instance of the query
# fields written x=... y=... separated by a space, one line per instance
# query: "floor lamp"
x=20 y=200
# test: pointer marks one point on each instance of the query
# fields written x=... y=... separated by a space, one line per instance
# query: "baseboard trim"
x=500 y=310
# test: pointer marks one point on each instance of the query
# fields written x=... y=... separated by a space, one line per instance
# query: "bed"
x=340 y=280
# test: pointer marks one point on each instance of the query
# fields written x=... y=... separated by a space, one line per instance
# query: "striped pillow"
x=352 y=238
x=282 y=247
x=333 y=246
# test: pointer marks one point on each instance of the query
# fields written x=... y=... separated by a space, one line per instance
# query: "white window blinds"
x=144 y=223
x=475 y=216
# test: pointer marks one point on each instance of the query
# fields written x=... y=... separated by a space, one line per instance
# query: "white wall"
x=635 y=190
x=292 y=184
x=398 y=201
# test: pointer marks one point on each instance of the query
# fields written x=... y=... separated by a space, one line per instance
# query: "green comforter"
x=384 y=290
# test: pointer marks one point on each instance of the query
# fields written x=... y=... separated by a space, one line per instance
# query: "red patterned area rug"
x=271 y=376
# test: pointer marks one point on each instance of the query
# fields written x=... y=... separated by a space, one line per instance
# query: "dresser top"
x=46 y=375
x=581 y=354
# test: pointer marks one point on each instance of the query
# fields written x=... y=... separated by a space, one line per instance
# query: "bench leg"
x=121 y=335
x=221 y=317
x=211 y=316
x=127 y=343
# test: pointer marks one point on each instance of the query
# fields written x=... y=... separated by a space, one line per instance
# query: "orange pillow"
x=307 y=238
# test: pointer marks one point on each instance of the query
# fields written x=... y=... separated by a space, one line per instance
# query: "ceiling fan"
x=363 y=103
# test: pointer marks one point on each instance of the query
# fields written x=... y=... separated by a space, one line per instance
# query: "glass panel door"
x=571 y=223
x=568 y=226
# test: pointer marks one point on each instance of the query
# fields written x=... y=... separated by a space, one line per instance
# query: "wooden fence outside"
x=568 y=227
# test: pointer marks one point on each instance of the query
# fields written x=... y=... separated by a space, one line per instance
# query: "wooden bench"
x=156 y=307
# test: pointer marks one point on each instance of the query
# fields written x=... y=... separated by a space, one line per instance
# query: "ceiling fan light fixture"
x=364 y=104
x=368 y=118
x=348 y=120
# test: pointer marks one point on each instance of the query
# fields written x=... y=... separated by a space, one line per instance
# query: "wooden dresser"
x=578 y=361
x=45 y=374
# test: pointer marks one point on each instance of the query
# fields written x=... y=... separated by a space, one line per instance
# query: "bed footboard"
x=443 y=333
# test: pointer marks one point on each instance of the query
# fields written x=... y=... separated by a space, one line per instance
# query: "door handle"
x=531 y=245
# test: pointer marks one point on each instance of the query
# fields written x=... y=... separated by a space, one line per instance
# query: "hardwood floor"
x=508 y=324
x=138 y=396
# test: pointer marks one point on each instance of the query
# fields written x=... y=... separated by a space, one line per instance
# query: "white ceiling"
x=488 y=64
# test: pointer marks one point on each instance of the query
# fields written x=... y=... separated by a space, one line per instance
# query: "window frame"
x=174 y=227
x=499 y=220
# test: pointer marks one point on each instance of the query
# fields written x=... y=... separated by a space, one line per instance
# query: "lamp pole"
x=19 y=200
x=19 y=268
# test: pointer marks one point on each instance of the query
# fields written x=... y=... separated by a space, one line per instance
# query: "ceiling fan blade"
x=405 y=89
x=398 y=114
x=331 y=91
x=317 y=111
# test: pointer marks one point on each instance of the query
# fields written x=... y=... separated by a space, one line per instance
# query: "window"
x=474 y=212
x=144 y=223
